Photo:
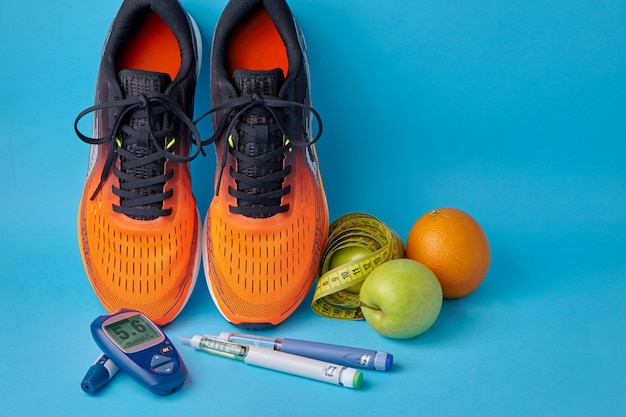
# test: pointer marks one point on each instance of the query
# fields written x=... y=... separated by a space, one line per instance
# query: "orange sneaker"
x=268 y=221
x=138 y=226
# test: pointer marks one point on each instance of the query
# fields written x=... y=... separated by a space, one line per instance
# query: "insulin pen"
x=99 y=374
x=279 y=361
x=343 y=355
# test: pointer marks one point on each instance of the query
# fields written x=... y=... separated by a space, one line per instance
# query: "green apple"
x=348 y=255
x=401 y=298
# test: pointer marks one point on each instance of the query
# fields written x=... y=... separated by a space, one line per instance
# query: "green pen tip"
x=358 y=379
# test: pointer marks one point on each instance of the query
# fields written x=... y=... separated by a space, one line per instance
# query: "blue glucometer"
x=138 y=347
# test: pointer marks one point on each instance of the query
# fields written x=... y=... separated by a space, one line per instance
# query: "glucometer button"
x=166 y=350
x=159 y=360
x=168 y=368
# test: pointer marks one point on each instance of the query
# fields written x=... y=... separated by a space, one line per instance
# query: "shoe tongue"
x=259 y=137
x=137 y=82
x=264 y=83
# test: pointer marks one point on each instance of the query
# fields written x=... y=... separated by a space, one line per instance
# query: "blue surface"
x=512 y=111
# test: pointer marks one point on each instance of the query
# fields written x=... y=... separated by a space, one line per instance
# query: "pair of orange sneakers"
x=140 y=233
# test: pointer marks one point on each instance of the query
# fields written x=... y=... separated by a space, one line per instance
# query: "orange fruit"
x=452 y=245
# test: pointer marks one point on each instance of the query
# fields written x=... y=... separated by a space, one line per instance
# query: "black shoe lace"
x=258 y=195
x=142 y=157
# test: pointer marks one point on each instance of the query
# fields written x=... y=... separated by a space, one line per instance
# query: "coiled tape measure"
x=355 y=229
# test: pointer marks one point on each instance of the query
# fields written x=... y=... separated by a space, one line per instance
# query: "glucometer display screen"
x=131 y=332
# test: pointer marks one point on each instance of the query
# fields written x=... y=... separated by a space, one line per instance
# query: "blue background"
x=514 y=111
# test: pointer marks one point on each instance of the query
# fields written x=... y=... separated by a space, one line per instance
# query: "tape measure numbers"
x=355 y=229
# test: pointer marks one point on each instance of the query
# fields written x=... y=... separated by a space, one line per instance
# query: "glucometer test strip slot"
x=99 y=374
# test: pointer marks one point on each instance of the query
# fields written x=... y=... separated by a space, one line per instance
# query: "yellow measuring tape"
x=355 y=229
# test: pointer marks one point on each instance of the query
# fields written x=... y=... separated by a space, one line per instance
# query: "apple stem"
x=362 y=304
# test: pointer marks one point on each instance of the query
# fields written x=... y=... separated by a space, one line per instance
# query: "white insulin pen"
x=279 y=361
x=343 y=355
